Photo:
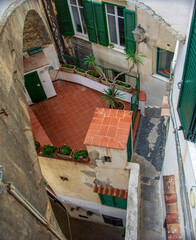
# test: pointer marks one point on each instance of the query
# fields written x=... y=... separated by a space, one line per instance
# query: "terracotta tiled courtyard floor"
x=66 y=117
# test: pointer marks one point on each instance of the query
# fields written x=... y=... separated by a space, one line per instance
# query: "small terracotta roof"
x=109 y=128
x=110 y=191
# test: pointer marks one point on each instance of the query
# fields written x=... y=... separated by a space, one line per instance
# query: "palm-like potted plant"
x=65 y=152
x=113 y=95
x=48 y=150
x=81 y=155
x=68 y=68
x=113 y=98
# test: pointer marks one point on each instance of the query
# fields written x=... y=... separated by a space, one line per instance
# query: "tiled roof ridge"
x=110 y=191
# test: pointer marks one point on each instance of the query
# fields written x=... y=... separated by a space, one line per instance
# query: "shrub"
x=67 y=66
x=65 y=150
x=80 y=70
x=80 y=155
x=48 y=150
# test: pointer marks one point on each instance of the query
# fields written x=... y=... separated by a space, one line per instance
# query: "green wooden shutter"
x=64 y=17
x=129 y=25
x=100 y=24
x=89 y=19
x=121 y=202
x=187 y=100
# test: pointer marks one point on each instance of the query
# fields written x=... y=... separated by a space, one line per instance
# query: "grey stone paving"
x=149 y=153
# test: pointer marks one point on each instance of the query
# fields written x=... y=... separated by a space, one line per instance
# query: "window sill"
x=117 y=49
x=82 y=37
x=164 y=79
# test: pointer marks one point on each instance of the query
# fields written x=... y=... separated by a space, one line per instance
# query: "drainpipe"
x=188 y=229
x=17 y=195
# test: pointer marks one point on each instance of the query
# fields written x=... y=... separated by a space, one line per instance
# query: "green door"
x=34 y=87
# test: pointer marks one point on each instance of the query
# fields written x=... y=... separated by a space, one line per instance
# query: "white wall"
x=98 y=209
x=188 y=149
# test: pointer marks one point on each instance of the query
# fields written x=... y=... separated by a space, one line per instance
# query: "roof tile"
x=110 y=191
x=109 y=128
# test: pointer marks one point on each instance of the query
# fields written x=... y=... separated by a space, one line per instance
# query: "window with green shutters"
x=103 y=22
x=187 y=99
x=64 y=17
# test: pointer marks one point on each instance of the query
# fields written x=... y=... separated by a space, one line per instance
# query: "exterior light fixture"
x=138 y=34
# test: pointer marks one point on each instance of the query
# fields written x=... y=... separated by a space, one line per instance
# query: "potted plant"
x=113 y=99
x=124 y=86
x=68 y=68
x=81 y=155
x=110 y=96
x=65 y=152
x=48 y=150
x=80 y=71
x=94 y=75
x=37 y=145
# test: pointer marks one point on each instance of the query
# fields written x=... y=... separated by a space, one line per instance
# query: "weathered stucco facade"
x=18 y=155
x=158 y=36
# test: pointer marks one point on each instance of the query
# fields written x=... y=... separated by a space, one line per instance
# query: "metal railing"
x=110 y=74
x=134 y=104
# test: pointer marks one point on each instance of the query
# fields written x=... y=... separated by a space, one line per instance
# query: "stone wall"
x=18 y=155
x=35 y=33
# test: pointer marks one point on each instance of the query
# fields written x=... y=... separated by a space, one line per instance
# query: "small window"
x=77 y=15
x=164 y=59
x=113 y=221
x=115 y=22
x=107 y=159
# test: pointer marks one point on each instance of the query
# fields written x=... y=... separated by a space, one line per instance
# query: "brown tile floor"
x=66 y=117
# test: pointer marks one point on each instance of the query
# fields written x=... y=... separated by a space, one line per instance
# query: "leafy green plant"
x=80 y=155
x=94 y=73
x=67 y=66
x=80 y=70
x=89 y=213
x=90 y=60
x=48 y=150
x=65 y=150
x=112 y=96
x=111 y=45
x=37 y=145
x=123 y=84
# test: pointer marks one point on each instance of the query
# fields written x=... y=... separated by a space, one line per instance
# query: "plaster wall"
x=77 y=207
x=50 y=53
x=80 y=178
x=111 y=173
x=188 y=149
x=157 y=35
x=18 y=155
x=171 y=13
